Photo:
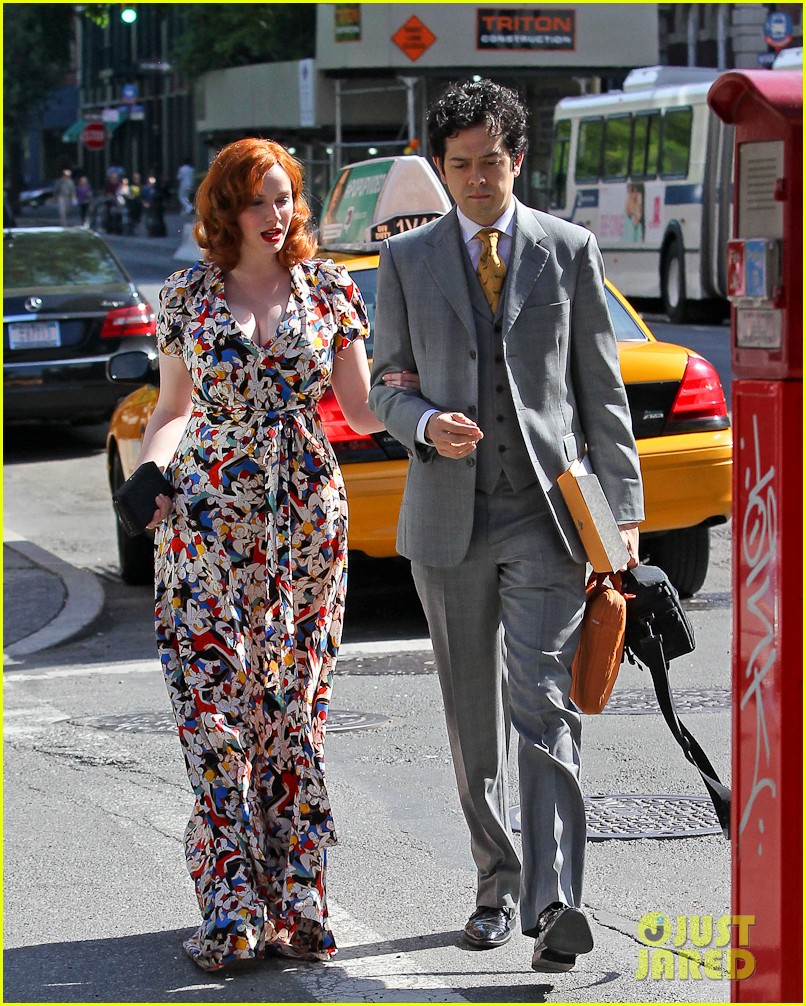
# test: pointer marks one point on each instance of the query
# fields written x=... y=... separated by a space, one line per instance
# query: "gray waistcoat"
x=503 y=448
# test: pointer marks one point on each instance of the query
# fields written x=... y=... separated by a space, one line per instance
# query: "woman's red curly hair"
x=232 y=181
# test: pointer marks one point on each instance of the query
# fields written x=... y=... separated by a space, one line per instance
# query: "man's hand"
x=452 y=434
x=629 y=535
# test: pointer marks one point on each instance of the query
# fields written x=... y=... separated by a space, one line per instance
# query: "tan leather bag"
x=601 y=643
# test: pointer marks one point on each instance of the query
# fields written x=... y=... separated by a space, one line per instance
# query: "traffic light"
x=128 y=14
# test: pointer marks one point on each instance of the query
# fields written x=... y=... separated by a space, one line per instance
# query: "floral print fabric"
x=250 y=586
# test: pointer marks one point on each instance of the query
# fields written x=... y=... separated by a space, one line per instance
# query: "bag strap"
x=653 y=656
x=596 y=582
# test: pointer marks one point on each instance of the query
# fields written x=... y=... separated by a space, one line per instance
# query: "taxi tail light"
x=341 y=435
x=137 y=319
x=700 y=396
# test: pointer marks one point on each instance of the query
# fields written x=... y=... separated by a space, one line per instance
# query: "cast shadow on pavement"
x=151 y=967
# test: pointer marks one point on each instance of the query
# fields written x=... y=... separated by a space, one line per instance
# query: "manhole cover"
x=388 y=664
x=340 y=721
x=644 y=701
x=640 y=816
x=131 y=723
x=163 y=723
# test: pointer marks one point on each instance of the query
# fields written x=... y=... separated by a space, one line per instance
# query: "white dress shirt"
x=469 y=228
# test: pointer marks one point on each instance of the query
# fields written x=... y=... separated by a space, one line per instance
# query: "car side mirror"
x=133 y=367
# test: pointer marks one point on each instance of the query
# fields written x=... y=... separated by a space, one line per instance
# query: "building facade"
x=376 y=69
x=128 y=80
x=379 y=65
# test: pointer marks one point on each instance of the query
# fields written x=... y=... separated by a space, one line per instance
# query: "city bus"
x=649 y=170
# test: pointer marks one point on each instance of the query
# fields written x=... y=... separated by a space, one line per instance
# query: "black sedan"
x=68 y=306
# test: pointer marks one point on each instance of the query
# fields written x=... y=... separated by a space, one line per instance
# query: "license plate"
x=34 y=335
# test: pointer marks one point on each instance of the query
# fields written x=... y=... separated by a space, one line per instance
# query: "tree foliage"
x=36 y=50
x=219 y=35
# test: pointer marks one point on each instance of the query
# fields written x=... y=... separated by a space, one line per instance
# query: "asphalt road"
x=97 y=899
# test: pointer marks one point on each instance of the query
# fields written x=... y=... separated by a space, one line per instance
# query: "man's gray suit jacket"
x=561 y=360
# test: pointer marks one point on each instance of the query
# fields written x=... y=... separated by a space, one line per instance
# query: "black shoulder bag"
x=658 y=630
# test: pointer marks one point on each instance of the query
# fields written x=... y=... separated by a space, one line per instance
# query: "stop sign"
x=93 y=135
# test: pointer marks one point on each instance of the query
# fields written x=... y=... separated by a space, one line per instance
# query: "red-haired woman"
x=251 y=552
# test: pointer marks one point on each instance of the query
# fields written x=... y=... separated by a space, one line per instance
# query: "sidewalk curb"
x=84 y=598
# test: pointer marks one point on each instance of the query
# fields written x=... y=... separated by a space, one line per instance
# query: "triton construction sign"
x=525 y=28
x=464 y=38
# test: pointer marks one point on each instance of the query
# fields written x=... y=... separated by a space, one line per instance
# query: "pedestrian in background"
x=154 y=207
x=185 y=177
x=65 y=191
x=84 y=199
x=134 y=203
x=113 y=202
x=124 y=196
x=251 y=554
x=501 y=310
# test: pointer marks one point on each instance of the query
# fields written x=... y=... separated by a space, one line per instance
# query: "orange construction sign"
x=414 y=38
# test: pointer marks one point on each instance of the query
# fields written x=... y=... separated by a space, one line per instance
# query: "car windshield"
x=625 y=327
x=36 y=260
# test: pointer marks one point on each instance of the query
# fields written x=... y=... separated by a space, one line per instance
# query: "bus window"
x=676 y=144
x=559 y=163
x=617 y=147
x=644 y=159
x=589 y=150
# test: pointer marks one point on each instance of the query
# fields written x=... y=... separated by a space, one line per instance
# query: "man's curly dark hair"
x=477 y=103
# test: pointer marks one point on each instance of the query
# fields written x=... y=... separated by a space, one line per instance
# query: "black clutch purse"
x=135 y=503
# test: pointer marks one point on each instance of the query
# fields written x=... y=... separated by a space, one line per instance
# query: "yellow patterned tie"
x=491 y=269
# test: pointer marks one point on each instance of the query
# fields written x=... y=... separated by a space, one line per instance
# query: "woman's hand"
x=409 y=380
x=164 y=506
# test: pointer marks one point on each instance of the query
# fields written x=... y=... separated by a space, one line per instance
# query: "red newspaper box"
x=765 y=278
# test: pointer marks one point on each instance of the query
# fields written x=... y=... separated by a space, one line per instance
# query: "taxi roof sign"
x=372 y=200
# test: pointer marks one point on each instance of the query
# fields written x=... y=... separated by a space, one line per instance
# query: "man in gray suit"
x=501 y=310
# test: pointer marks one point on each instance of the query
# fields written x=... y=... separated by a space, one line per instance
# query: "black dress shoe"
x=563 y=932
x=489 y=927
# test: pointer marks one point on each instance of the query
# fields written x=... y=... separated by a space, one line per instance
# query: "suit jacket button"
x=472 y=354
x=470 y=462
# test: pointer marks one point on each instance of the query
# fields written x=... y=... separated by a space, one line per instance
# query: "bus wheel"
x=683 y=555
x=673 y=283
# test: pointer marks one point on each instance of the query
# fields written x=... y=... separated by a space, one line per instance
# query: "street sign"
x=414 y=38
x=128 y=93
x=778 y=30
x=93 y=136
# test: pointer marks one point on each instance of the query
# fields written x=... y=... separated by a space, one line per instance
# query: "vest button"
x=499 y=358
x=471 y=410
x=472 y=354
x=470 y=462
x=498 y=326
x=501 y=448
x=499 y=388
x=499 y=419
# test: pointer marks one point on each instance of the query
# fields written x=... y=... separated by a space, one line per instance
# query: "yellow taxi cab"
x=677 y=405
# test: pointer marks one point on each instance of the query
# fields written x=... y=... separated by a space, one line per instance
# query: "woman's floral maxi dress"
x=250 y=585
